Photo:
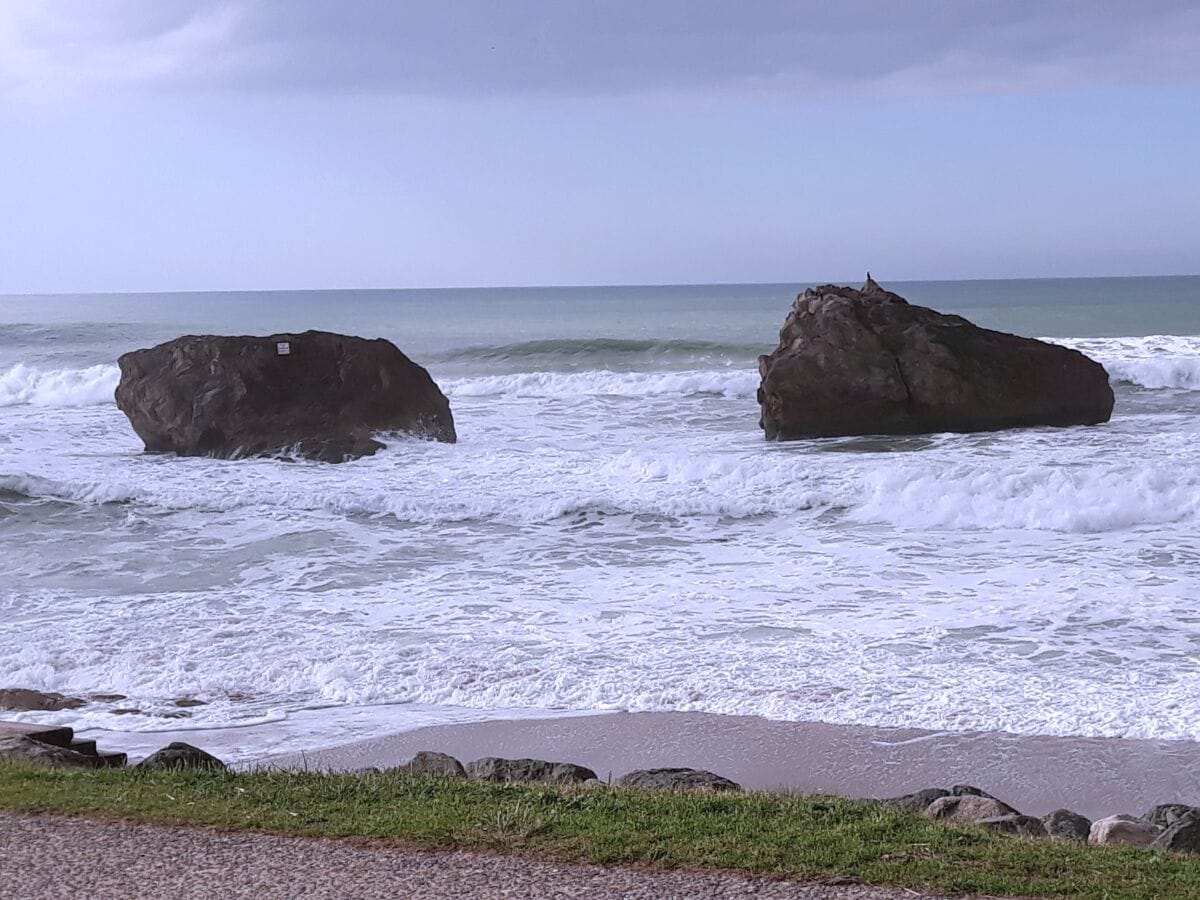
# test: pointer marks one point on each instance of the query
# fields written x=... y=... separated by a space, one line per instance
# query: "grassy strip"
x=771 y=834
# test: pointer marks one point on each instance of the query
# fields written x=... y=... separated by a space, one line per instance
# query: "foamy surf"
x=1157 y=362
x=946 y=486
x=577 y=385
x=611 y=531
x=90 y=386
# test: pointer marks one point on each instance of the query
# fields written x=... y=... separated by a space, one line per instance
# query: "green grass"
x=771 y=834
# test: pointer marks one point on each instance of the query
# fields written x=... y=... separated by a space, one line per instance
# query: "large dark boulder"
x=1026 y=826
x=1062 y=823
x=494 y=768
x=916 y=802
x=1182 y=834
x=677 y=780
x=178 y=755
x=317 y=395
x=853 y=362
x=430 y=762
x=968 y=808
x=1166 y=814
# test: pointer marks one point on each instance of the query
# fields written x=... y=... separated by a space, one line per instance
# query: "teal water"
x=90 y=329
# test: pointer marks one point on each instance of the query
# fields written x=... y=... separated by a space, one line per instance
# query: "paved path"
x=61 y=857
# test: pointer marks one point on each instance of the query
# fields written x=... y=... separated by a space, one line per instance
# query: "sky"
x=156 y=145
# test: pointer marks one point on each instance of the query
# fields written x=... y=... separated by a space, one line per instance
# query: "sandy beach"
x=1037 y=774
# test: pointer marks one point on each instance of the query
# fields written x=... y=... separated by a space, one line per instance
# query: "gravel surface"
x=61 y=857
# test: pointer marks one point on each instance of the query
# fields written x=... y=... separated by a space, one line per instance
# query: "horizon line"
x=593 y=286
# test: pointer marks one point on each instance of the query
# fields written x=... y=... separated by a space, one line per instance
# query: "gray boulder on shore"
x=1062 y=823
x=968 y=808
x=677 y=780
x=430 y=762
x=178 y=755
x=916 y=802
x=1026 y=826
x=317 y=395
x=969 y=790
x=1165 y=814
x=494 y=768
x=1182 y=835
x=22 y=748
x=1124 y=829
x=857 y=362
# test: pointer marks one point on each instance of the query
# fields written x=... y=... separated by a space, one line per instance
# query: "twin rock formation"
x=849 y=362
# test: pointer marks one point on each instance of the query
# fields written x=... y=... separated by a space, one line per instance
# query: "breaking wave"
x=1157 y=362
x=443 y=484
x=1177 y=373
x=566 y=385
x=26 y=385
x=600 y=348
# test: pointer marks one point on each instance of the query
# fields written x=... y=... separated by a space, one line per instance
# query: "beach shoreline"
x=1034 y=773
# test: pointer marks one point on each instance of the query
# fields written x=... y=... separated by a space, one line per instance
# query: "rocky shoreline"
x=1166 y=826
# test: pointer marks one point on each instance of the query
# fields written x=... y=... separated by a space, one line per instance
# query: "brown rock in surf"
x=316 y=395
x=853 y=362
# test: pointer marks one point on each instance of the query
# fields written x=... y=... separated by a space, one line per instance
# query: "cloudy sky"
x=217 y=144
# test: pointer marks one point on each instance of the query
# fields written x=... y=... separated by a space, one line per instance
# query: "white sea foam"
x=572 y=385
x=634 y=544
x=1179 y=373
x=1061 y=498
x=1161 y=361
x=24 y=384
x=853 y=639
x=947 y=488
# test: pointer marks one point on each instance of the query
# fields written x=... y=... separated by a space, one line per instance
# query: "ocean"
x=610 y=532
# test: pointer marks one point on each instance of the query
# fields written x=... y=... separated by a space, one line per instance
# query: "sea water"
x=611 y=531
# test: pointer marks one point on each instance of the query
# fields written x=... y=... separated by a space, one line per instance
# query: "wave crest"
x=567 y=385
x=602 y=348
x=1156 y=362
x=1177 y=373
x=443 y=485
x=26 y=385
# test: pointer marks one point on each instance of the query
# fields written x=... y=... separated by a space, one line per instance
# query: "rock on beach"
x=22 y=748
x=316 y=395
x=916 y=802
x=968 y=808
x=1182 y=835
x=677 y=780
x=430 y=762
x=1123 y=829
x=178 y=755
x=1062 y=823
x=494 y=768
x=1165 y=814
x=856 y=362
x=1027 y=826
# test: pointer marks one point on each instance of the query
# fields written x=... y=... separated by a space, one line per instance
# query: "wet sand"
x=1093 y=776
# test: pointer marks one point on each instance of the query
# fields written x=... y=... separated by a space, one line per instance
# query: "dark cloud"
x=518 y=47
